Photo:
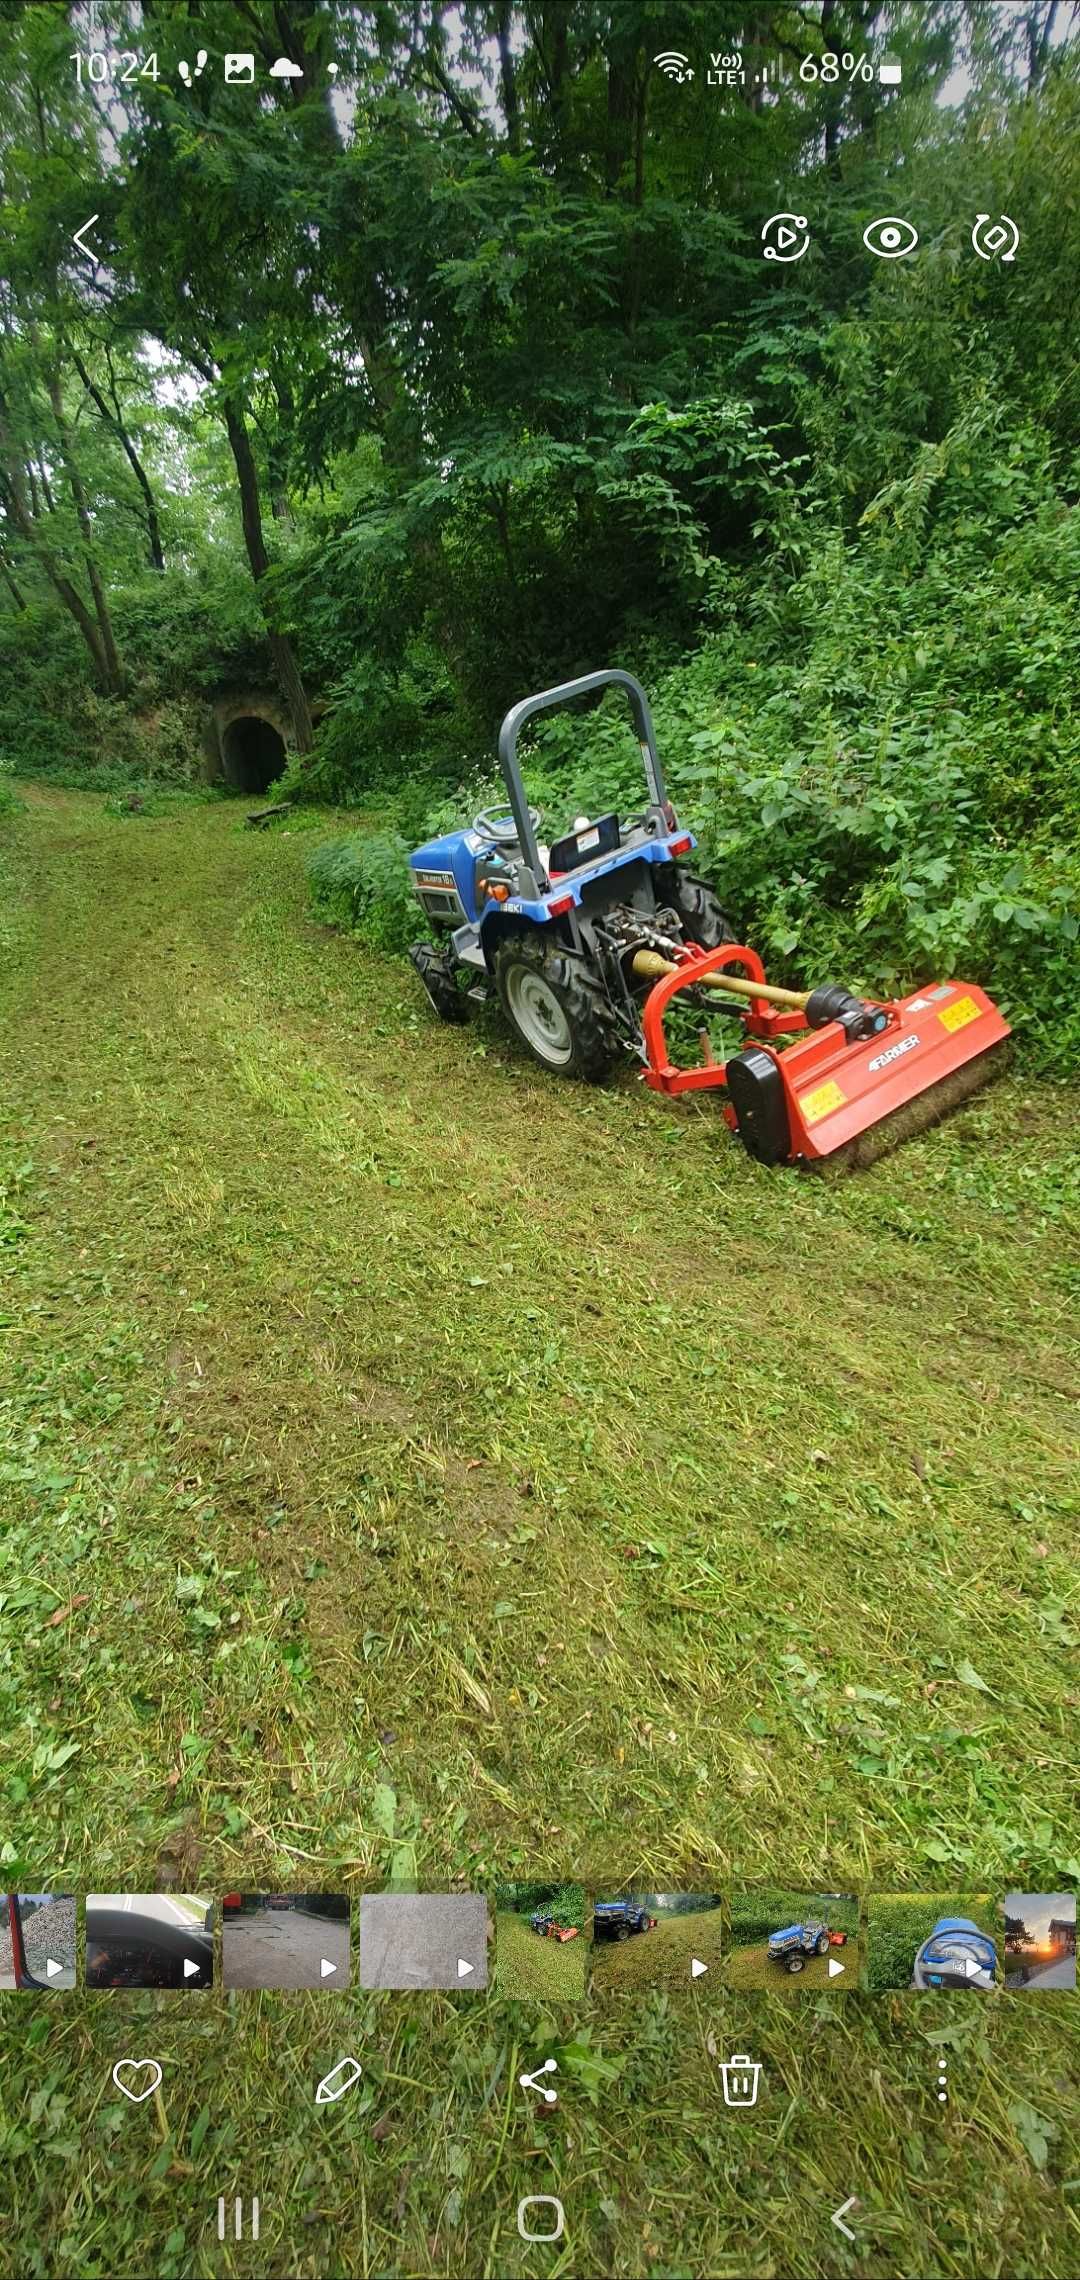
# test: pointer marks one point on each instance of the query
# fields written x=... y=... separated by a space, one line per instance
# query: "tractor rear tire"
x=434 y=971
x=703 y=917
x=554 y=1008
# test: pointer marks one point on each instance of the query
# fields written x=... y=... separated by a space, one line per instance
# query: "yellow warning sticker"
x=959 y=1013
x=822 y=1101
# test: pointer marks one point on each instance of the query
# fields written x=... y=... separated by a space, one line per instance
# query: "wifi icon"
x=673 y=65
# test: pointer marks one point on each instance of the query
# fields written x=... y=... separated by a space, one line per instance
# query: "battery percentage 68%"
x=829 y=68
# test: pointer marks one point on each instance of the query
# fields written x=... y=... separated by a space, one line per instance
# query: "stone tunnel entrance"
x=252 y=753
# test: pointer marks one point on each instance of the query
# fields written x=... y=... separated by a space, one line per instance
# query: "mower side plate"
x=836 y=1090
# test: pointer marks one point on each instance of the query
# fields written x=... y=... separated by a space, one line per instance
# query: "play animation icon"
x=785 y=237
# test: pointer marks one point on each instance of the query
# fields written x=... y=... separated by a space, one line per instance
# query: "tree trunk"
x=116 y=427
x=508 y=82
x=1040 y=32
x=281 y=649
x=620 y=110
x=44 y=482
x=15 y=503
x=12 y=584
x=640 y=107
x=114 y=676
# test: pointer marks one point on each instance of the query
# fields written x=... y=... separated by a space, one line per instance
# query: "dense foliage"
x=459 y=371
x=754 y=1915
x=564 y=1903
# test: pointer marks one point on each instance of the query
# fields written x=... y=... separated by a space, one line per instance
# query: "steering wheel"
x=501 y=830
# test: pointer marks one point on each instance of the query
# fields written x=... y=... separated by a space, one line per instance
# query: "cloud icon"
x=284 y=68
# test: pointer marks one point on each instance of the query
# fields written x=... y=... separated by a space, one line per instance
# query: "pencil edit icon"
x=338 y=2082
x=341 y=2078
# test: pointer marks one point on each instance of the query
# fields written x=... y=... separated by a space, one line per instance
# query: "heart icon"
x=138 y=2078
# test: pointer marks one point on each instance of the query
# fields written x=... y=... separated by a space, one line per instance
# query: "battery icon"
x=890 y=72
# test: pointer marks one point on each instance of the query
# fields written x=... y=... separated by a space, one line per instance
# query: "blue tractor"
x=553 y=930
x=796 y=1943
x=619 y=1919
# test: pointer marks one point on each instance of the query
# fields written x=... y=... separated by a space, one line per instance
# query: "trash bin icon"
x=741 y=2076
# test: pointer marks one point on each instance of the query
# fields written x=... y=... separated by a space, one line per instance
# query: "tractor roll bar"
x=547 y=698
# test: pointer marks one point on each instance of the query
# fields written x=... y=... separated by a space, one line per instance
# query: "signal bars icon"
x=673 y=65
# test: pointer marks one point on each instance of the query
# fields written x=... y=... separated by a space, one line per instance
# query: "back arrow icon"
x=77 y=236
x=839 y=2214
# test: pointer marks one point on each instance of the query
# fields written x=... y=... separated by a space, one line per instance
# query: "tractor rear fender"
x=498 y=926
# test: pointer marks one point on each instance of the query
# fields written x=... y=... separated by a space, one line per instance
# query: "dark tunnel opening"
x=253 y=753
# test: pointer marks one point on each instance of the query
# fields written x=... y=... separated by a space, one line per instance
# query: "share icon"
x=533 y=2082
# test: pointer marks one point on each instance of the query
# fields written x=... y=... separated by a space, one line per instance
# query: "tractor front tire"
x=796 y=1962
x=701 y=913
x=434 y=970
x=554 y=1008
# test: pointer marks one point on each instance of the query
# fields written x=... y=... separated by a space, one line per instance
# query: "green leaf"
x=384 y=1807
x=969 y=1676
x=1033 y=2130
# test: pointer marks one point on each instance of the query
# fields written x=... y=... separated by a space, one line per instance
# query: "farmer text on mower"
x=589 y=939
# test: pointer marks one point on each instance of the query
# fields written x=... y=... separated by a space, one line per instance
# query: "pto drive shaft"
x=830 y=1002
x=650 y=965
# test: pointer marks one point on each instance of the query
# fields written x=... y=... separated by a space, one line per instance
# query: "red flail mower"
x=587 y=942
x=865 y=1074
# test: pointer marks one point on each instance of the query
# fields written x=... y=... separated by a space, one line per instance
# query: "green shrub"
x=363 y=884
x=771 y=1908
x=564 y=1902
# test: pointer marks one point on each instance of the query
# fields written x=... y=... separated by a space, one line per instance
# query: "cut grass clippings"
x=411 y=1465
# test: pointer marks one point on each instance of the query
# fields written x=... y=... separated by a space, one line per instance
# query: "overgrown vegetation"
x=531 y=1968
x=827 y=512
x=770 y=1908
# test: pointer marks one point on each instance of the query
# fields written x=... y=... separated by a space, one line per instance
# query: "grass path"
x=394 y=1416
x=407 y=1463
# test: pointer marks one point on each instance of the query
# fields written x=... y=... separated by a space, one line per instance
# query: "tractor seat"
x=585 y=844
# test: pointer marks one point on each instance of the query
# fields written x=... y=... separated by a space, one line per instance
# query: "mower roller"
x=588 y=940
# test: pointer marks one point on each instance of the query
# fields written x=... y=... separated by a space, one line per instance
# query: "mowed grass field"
x=527 y=1965
x=658 y=1959
x=749 y=1967
x=414 y=1468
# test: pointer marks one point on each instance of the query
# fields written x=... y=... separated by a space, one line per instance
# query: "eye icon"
x=890 y=237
